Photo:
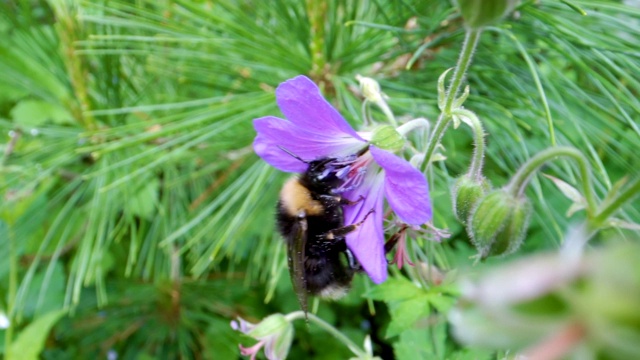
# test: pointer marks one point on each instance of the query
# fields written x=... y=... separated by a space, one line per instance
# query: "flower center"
x=354 y=173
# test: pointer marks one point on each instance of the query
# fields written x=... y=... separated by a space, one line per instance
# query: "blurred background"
x=136 y=221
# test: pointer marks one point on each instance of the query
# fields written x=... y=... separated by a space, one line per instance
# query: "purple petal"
x=302 y=103
x=274 y=132
x=405 y=188
x=367 y=242
x=242 y=325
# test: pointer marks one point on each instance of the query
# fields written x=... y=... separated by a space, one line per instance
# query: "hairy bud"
x=498 y=223
x=480 y=13
x=465 y=195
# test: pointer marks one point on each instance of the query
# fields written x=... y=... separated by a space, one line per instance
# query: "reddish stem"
x=558 y=344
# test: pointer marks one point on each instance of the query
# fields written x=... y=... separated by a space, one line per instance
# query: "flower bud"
x=386 y=137
x=370 y=89
x=480 y=13
x=498 y=223
x=274 y=333
x=465 y=195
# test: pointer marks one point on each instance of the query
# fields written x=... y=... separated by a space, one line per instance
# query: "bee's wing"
x=296 y=254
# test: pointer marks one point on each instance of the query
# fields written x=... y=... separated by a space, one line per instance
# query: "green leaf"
x=45 y=293
x=30 y=342
x=441 y=303
x=394 y=289
x=144 y=201
x=442 y=92
x=414 y=344
x=570 y=193
x=405 y=313
x=38 y=112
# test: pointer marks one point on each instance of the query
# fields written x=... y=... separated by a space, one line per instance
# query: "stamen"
x=352 y=182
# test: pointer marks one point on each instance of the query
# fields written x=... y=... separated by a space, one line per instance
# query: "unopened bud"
x=274 y=333
x=271 y=325
x=386 y=137
x=370 y=89
x=498 y=223
x=480 y=13
x=465 y=195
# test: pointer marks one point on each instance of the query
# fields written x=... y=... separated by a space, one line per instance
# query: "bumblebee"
x=310 y=218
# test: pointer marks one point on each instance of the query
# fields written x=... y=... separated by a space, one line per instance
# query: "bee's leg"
x=331 y=201
x=353 y=263
x=344 y=230
x=393 y=240
x=344 y=201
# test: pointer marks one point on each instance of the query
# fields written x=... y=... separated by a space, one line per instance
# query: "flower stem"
x=629 y=193
x=558 y=345
x=360 y=353
x=387 y=112
x=470 y=43
x=521 y=178
x=411 y=125
x=475 y=169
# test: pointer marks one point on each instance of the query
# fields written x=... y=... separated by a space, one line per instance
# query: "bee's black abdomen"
x=284 y=221
x=306 y=216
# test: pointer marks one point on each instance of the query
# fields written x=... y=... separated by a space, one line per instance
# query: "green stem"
x=475 y=169
x=469 y=46
x=629 y=193
x=316 y=11
x=411 y=125
x=387 y=112
x=70 y=32
x=330 y=329
x=11 y=296
x=521 y=178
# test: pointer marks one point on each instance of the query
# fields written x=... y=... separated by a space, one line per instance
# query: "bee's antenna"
x=292 y=154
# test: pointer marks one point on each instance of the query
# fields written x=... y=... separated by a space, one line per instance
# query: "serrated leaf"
x=30 y=342
x=414 y=344
x=405 y=313
x=441 y=303
x=394 y=290
x=567 y=190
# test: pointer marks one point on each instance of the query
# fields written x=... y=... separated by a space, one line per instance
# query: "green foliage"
x=31 y=340
x=130 y=194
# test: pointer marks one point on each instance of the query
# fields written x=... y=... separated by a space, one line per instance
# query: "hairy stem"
x=469 y=46
x=475 y=169
x=330 y=329
x=629 y=193
x=520 y=180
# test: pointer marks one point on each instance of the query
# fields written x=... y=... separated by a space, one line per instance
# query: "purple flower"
x=314 y=130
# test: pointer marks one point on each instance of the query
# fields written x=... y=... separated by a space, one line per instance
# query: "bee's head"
x=329 y=175
x=323 y=175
